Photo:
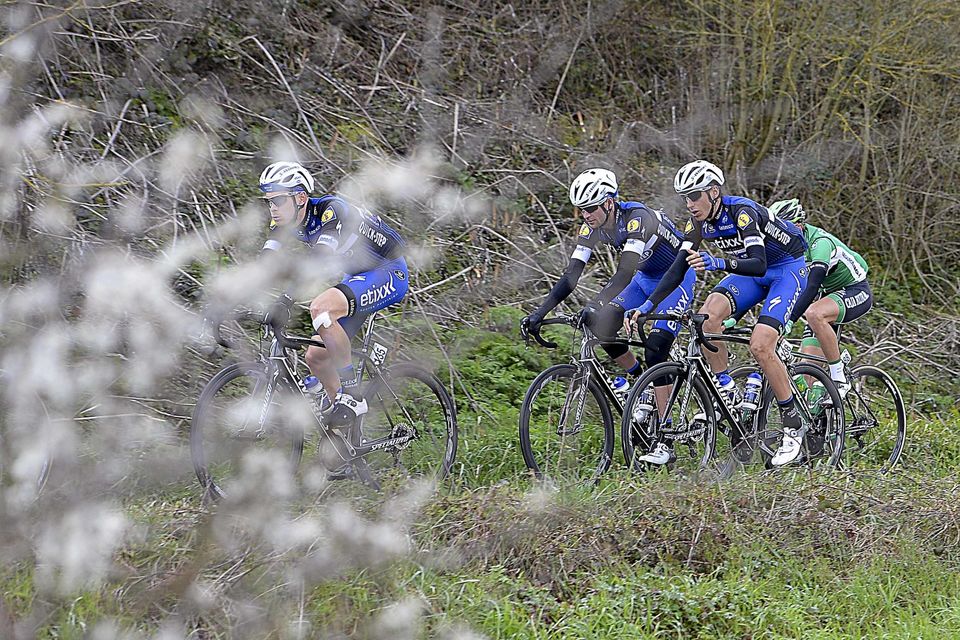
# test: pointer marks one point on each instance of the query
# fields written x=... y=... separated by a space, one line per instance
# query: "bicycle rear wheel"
x=687 y=422
x=239 y=425
x=408 y=400
x=876 y=421
x=557 y=446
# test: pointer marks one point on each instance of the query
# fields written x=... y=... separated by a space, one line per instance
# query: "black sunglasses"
x=692 y=196
x=592 y=209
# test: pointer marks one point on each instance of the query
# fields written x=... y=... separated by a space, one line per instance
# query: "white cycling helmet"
x=697 y=176
x=592 y=187
x=286 y=176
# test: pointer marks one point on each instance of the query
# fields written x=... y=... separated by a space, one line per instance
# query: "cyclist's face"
x=284 y=207
x=699 y=203
x=596 y=215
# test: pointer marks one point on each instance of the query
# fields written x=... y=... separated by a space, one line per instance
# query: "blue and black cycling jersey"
x=740 y=224
x=638 y=229
x=755 y=238
x=362 y=240
x=370 y=255
x=648 y=242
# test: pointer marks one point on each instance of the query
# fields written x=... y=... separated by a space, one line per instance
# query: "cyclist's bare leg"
x=820 y=315
x=324 y=363
x=763 y=344
x=627 y=361
x=718 y=308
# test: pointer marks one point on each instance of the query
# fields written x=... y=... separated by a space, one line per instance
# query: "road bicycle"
x=257 y=413
x=875 y=415
x=567 y=428
x=695 y=409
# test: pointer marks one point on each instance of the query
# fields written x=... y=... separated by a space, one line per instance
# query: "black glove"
x=530 y=324
x=278 y=313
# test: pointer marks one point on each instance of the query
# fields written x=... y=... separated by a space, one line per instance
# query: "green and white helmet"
x=789 y=210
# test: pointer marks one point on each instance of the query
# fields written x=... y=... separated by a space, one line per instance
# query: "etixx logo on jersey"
x=374 y=296
x=633 y=225
x=327 y=216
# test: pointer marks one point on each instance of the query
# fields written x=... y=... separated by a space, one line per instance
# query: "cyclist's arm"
x=818 y=272
x=819 y=255
x=625 y=271
x=755 y=264
x=564 y=287
x=674 y=276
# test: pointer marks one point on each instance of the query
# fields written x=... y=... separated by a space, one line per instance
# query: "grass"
x=793 y=554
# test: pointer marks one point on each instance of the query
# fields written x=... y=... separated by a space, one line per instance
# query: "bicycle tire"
x=548 y=464
x=396 y=405
x=862 y=417
x=632 y=441
x=206 y=421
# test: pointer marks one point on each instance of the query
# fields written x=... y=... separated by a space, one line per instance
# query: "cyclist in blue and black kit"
x=649 y=243
x=364 y=248
x=766 y=266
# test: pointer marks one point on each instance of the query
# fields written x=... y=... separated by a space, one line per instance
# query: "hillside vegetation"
x=131 y=137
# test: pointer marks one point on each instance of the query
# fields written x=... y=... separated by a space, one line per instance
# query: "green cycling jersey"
x=844 y=265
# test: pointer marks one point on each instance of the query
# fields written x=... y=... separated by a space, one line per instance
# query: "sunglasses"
x=277 y=201
x=591 y=209
x=692 y=196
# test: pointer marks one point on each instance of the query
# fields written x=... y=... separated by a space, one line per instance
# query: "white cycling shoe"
x=789 y=449
x=662 y=454
x=346 y=409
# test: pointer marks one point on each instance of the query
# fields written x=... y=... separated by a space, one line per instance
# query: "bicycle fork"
x=575 y=402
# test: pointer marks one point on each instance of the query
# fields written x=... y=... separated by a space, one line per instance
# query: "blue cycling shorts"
x=778 y=288
x=642 y=285
x=371 y=291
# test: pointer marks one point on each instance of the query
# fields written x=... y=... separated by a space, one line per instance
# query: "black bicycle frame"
x=278 y=353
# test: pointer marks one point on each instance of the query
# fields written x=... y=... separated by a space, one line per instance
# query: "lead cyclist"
x=369 y=253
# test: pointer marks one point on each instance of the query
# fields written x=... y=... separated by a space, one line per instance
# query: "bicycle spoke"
x=236 y=424
x=409 y=404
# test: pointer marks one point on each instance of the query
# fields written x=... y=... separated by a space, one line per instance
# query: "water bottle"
x=311 y=385
x=801 y=383
x=644 y=406
x=727 y=388
x=751 y=392
x=817 y=391
x=620 y=386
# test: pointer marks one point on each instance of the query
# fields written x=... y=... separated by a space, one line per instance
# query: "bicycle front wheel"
x=238 y=427
x=566 y=427
x=409 y=401
x=876 y=421
x=684 y=420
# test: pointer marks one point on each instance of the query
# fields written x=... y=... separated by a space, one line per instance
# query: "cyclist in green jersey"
x=838 y=275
